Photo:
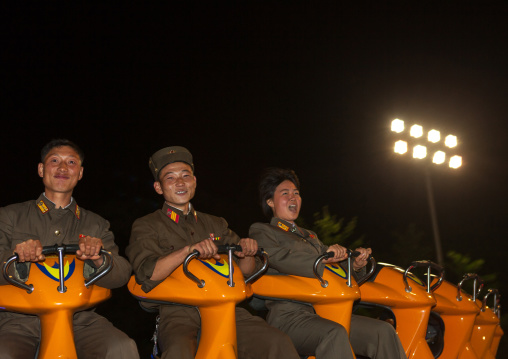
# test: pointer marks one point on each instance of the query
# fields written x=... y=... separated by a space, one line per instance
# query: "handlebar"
x=322 y=257
x=351 y=254
x=476 y=292
x=429 y=265
x=225 y=249
x=373 y=264
x=261 y=253
x=496 y=307
x=60 y=250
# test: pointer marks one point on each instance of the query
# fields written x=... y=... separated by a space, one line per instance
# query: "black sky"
x=303 y=85
x=306 y=85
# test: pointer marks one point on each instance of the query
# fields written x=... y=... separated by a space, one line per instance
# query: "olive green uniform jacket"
x=293 y=250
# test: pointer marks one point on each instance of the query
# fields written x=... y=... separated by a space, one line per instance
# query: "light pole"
x=412 y=140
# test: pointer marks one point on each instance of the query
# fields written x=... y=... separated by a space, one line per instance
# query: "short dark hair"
x=59 y=142
x=269 y=180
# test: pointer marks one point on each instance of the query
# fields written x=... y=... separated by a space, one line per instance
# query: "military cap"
x=168 y=155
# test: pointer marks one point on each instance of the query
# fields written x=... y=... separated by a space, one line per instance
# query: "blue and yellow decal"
x=416 y=279
x=410 y=276
x=53 y=271
x=220 y=267
x=337 y=270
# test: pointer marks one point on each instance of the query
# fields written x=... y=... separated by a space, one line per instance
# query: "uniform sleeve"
x=143 y=252
x=121 y=271
x=283 y=253
x=5 y=239
x=229 y=237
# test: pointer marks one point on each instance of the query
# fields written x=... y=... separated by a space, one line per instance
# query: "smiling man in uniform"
x=56 y=218
x=159 y=243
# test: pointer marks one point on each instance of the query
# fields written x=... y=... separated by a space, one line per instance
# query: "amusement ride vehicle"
x=408 y=298
x=56 y=290
x=486 y=329
x=458 y=311
x=332 y=295
x=215 y=288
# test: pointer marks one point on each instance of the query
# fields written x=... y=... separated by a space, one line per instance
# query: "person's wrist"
x=357 y=268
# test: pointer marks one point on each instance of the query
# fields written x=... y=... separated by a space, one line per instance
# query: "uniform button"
x=192 y=233
x=57 y=232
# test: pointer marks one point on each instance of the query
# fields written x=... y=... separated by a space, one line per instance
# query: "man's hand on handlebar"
x=29 y=251
x=340 y=253
x=249 y=248
x=362 y=258
x=89 y=248
x=206 y=248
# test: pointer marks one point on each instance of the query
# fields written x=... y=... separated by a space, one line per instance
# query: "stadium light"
x=430 y=149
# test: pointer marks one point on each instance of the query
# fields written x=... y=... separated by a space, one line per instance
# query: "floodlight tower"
x=432 y=147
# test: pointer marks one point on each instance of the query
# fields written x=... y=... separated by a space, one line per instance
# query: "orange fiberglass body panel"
x=216 y=301
x=484 y=332
x=55 y=309
x=411 y=309
x=333 y=302
x=458 y=314
x=498 y=333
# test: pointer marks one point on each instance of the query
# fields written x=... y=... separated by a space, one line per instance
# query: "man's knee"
x=384 y=329
x=122 y=347
x=337 y=331
x=15 y=346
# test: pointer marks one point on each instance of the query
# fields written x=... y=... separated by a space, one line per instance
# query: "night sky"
x=306 y=86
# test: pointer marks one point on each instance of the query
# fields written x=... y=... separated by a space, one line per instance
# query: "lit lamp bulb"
x=416 y=131
x=400 y=147
x=451 y=141
x=455 y=161
x=419 y=151
x=397 y=125
x=434 y=136
x=439 y=157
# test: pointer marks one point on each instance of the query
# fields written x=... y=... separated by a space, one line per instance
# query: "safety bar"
x=373 y=264
x=328 y=255
x=430 y=265
x=496 y=306
x=261 y=253
x=322 y=257
x=476 y=292
x=225 y=249
x=61 y=250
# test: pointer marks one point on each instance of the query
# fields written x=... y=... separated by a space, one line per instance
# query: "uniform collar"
x=176 y=214
x=45 y=205
x=286 y=226
x=292 y=227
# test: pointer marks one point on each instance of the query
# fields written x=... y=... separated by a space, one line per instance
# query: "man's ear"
x=40 y=169
x=157 y=187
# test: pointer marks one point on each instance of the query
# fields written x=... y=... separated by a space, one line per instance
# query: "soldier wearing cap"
x=159 y=243
x=56 y=218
